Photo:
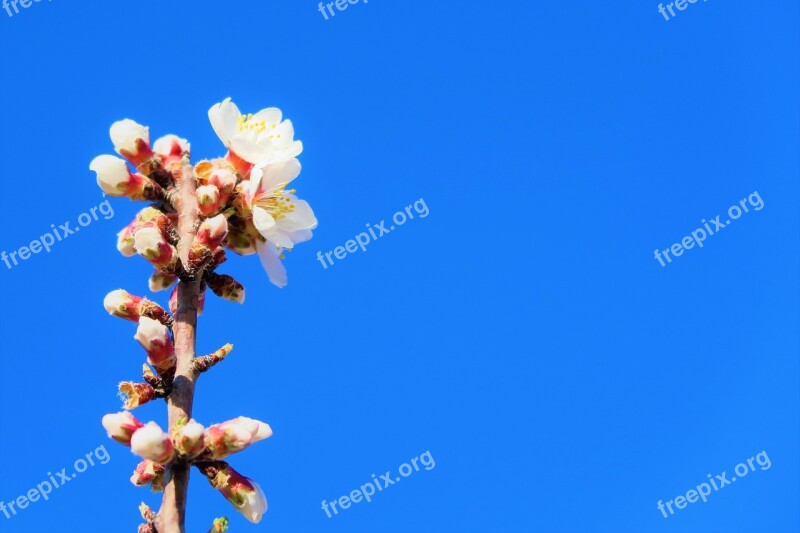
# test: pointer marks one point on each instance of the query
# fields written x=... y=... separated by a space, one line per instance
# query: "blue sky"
x=523 y=332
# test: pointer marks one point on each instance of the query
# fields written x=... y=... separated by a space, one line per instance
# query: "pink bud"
x=149 y=473
x=212 y=232
x=131 y=141
x=208 y=200
x=171 y=146
x=151 y=244
x=121 y=426
x=234 y=436
x=121 y=304
x=114 y=177
x=243 y=493
x=150 y=442
x=225 y=181
x=190 y=439
x=160 y=281
x=156 y=340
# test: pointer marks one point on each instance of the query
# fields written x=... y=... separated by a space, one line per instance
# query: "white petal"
x=262 y=220
x=224 y=118
x=271 y=262
x=302 y=217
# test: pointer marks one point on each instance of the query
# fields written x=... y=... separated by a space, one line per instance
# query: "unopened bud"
x=150 y=442
x=226 y=287
x=121 y=426
x=116 y=179
x=151 y=244
x=189 y=439
x=234 y=436
x=122 y=304
x=157 y=342
x=131 y=141
x=208 y=200
x=243 y=493
x=209 y=237
x=149 y=473
x=160 y=281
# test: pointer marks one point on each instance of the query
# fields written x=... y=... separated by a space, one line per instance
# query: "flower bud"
x=208 y=200
x=209 y=237
x=149 y=473
x=190 y=439
x=131 y=141
x=234 y=436
x=151 y=244
x=116 y=179
x=225 y=181
x=135 y=394
x=243 y=493
x=226 y=287
x=121 y=426
x=123 y=305
x=150 y=442
x=171 y=146
x=155 y=339
x=160 y=281
x=220 y=525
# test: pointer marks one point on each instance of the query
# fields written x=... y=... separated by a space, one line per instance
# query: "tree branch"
x=171 y=517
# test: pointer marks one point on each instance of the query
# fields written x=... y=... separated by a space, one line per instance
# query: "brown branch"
x=171 y=517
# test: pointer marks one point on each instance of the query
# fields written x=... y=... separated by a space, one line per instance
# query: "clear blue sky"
x=523 y=332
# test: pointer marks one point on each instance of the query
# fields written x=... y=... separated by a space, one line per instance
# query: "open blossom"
x=150 y=442
x=234 y=436
x=121 y=426
x=131 y=141
x=243 y=493
x=157 y=342
x=264 y=136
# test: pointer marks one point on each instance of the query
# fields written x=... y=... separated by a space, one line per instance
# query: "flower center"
x=276 y=203
x=246 y=123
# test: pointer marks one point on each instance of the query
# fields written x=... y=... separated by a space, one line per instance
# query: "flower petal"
x=270 y=260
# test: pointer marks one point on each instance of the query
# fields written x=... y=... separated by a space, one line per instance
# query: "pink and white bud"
x=208 y=239
x=171 y=146
x=121 y=304
x=160 y=281
x=190 y=439
x=208 y=200
x=151 y=244
x=131 y=141
x=149 y=216
x=116 y=179
x=226 y=287
x=150 y=442
x=157 y=342
x=149 y=473
x=225 y=181
x=234 y=436
x=121 y=426
x=125 y=239
x=244 y=494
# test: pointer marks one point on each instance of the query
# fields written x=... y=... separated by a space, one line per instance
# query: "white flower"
x=278 y=215
x=263 y=137
x=150 y=442
x=171 y=145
